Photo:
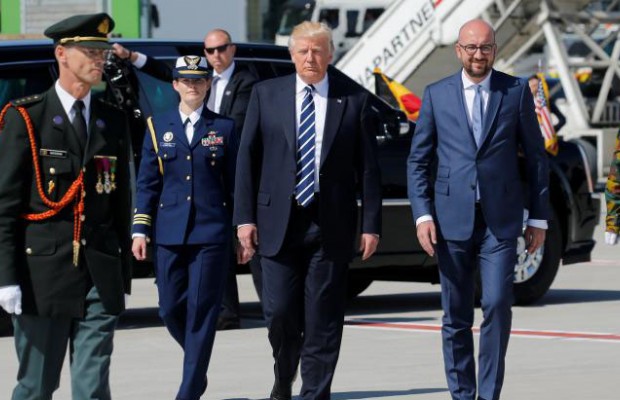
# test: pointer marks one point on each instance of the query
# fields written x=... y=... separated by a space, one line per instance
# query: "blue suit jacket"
x=444 y=163
x=191 y=202
x=266 y=171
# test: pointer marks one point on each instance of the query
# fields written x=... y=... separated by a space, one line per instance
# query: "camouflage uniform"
x=612 y=191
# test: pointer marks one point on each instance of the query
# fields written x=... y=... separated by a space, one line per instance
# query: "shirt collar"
x=193 y=117
x=320 y=87
x=227 y=73
x=485 y=84
x=67 y=100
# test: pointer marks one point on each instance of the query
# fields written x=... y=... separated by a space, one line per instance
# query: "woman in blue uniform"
x=184 y=202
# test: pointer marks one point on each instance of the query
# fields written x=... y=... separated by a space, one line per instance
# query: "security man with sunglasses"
x=64 y=219
x=229 y=96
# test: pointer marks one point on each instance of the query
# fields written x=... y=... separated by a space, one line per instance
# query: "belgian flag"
x=397 y=95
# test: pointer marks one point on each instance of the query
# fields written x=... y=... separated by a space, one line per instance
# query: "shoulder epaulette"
x=27 y=100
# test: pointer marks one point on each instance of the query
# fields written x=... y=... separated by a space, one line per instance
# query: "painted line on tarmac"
x=600 y=261
x=587 y=336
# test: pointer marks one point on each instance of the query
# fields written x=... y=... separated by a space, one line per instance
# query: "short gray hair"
x=309 y=29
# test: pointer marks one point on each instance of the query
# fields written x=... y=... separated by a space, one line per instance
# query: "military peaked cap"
x=89 y=30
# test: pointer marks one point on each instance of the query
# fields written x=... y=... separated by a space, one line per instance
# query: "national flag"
x=397 y=95
x=541 y=101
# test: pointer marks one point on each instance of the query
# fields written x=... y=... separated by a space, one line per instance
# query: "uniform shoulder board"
x=27 y=100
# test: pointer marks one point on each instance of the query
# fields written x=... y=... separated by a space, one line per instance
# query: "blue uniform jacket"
x=191 y=202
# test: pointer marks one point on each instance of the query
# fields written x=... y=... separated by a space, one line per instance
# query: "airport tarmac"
x=567 y=346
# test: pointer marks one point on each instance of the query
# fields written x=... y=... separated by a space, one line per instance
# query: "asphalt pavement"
x=567 y=346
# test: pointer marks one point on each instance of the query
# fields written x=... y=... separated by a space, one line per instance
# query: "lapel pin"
x=227 y=93
x=339 y=101
x=100 y=124
x=168 y=136
x=57 y=120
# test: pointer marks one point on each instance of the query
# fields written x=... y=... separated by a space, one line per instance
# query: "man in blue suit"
x=467 y=199
x=184 y=188
x=308 y=148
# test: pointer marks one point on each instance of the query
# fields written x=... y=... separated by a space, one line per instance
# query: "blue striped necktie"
x=304 y=189
x=477 y=115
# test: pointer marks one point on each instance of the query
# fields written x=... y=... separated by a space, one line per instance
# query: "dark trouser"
x=457 y=265
x=304 y=304
x=41 y=344
x=190 y=281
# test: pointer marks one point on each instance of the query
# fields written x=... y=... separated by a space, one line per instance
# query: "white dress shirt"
x=193 y=119
x=67 y=101
x=319 y=96
x=217 y=87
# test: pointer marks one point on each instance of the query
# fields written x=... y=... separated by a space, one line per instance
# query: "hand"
x=368 y=245
x=138 y=248
x=121 y=52
x=243 y=255
x=248 y=237
x=11 y=299
x=427 y=236
x=534 y=238
x=611 y=238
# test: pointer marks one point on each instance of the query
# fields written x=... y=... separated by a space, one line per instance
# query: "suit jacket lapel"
x=459 y=94
x=336 y=104
x=228 y=90
x=285 y=107
x=62 y=127
x=495 y=99
x=96 y=133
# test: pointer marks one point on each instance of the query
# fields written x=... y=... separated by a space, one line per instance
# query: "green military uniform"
x=72 y=262
x=612 y=191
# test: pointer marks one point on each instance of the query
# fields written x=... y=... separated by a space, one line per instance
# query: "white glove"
x=611 y=238
x=11 y=299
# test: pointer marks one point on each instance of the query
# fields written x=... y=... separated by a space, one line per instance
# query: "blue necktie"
x=304 y=189
x=476 y=115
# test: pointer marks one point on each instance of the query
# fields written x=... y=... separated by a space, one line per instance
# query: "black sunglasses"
x=220 y=49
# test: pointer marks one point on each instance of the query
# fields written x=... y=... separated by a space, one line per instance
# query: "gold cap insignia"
x=192 y=61
x=104 y=26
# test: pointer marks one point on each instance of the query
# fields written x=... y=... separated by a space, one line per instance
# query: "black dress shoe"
x=225 y=324
x=281 y=392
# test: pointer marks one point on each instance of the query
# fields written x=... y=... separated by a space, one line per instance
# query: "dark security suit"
x=191 y=205
x=305 y=252
x=234 y=105
x=38 y=255
x=482 y=234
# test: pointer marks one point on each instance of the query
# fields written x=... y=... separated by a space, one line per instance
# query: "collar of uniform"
x=193 y=117
x=486 y=82
x=226 y=74
x=320 y=87
x=67 y=101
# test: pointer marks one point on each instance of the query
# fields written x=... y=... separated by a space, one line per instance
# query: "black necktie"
x=79 y=123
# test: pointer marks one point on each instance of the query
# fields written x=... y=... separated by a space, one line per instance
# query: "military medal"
x=50 y=187
x=113 y=173
x=99 y=166
x=107 y=185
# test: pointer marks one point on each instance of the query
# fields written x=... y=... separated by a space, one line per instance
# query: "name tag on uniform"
x=53 y=153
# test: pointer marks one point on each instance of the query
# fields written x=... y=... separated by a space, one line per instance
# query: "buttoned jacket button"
x=52 y=171
x=28 y=251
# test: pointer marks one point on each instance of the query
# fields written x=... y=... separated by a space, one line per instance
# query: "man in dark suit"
x=228 y=95
x=64 y=219
x=184 y=188
x=307 y=150
x=468 y=203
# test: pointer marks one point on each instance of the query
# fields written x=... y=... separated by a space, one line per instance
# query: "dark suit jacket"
x=192 y=201
x=236 y=93
x=266 y=166
x=37 y=256
x=442 y=136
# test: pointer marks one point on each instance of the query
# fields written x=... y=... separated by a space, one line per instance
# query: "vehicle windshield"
x=293 y=15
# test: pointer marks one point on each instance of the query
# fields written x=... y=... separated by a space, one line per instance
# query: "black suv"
x=28 y=67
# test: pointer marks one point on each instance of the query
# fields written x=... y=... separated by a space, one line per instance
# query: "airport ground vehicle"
x=28 y=67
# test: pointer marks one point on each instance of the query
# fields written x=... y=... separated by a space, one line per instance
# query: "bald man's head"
x=476 y=49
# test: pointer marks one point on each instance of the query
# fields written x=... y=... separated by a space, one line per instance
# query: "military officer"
x=184 y=199
x=65 y=219
x=612 y=196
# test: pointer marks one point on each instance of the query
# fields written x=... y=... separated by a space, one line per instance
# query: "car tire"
x=534 y=274
x=6 y=326
x=356 y=285
x=530 y=288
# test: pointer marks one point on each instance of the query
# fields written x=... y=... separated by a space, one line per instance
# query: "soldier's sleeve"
x=15 y=178
x=148 y=188
x=612 y=191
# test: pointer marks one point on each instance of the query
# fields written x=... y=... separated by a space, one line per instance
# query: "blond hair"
x=308 y=29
